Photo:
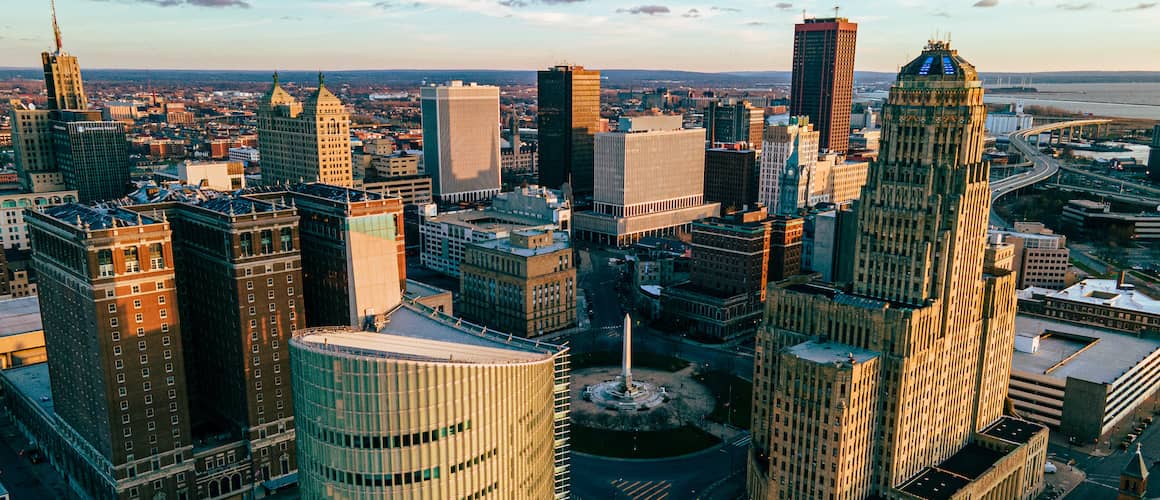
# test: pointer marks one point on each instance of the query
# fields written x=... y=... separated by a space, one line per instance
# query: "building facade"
x=461 y=140
x=1153 y=156
x=449 y=435
x=785 y=247
x=1040 y=258
x=13 y=229
x=731 y=178
x=823 y=78
x=114 y=344
x=732 y=122
x=303 y=141
x=788 y=157
x=568 y=117
x=525 y=284
x=895 y=377
x=1106 y=303
x=649 y=182
x=93 y=156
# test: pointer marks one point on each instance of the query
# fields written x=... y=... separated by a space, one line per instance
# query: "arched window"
x=287 y=239
x=105 y=263
x=9 y=203
x=156 y=256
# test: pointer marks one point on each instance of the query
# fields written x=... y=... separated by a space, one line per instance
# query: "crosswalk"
x=743 y=441
x=643 y=490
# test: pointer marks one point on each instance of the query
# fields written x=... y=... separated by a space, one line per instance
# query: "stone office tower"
x=861 y=392
x=304 y=141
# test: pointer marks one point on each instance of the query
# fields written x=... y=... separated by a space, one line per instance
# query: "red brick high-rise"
x=823 y=78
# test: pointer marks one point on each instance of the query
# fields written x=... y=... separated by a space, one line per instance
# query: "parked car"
x=1049 y=468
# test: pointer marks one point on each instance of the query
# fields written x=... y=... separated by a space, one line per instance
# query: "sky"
x=721 y=35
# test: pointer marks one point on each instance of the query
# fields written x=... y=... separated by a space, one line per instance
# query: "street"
x=1103 y=473
x=705 y=474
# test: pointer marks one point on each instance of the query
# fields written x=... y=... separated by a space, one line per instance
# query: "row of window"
x=378 y=480
x=382 y=442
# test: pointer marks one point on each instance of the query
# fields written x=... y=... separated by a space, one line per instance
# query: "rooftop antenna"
x=836 y=8
x=55 y=26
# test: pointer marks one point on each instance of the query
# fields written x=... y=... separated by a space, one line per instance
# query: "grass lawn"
x=639 y=359
x=629 y=444
x=733 y=410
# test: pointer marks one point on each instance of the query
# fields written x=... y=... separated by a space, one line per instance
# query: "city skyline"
x=521 y=34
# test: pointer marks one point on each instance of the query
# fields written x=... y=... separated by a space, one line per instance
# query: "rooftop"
x=32 y=381
x=942 y=481
x=971 y=461
x=99 y=217
x=830 y=352
x=488 y=220
x=559 y=242
x=415 y=332
x=1082 y=352
x=1013 y=430
x=420 y=289
x=334 y=193
x=934 y=484
x=1109 y=293
x=20 y=316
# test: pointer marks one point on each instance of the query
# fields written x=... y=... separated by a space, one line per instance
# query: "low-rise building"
x=524 y=284
x=1105 y=303
x=1095 y=220
x=1082 y=380
x=223 y=176
x=21 y=333
x=13 y=230
x=445 y=236
x=1040 y=257
x=245 y=155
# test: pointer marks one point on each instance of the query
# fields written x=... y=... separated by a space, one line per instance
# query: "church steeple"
x=1134 y=478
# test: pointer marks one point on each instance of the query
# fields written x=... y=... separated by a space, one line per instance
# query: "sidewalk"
x=1060 y=483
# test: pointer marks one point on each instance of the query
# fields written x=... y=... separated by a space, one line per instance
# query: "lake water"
x=1123 y=100
x=1139 y=152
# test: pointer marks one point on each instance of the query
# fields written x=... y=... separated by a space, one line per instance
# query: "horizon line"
x=497 y=70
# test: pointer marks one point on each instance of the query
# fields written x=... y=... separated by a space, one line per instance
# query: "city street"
x=24 y=479
x=1103 y=472
x=718 y=472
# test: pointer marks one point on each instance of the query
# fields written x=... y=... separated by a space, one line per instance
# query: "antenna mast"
x=55 y=27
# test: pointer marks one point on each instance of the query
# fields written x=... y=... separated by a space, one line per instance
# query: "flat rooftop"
x=418 y=333
x=420 y=289
x=32 y=381
x=1096 y=355
x=1013 y=430
x=334 y=193
x=20 y=315
x=98 y=217
x=942 y=481
x=488 y=220
x=830 y=352
x=559 y=242
x=237 y=205
x=1108 y=293
x=934 y=484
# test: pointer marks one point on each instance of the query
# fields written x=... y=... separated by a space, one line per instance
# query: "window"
x=247 y=243
x=113 y=307
x=165 y=340
x=165 y=327
x=249 y=284
x=289 y=278
x=269 y=294
x=269 y=281
x=160 y=299
x=156 y=256
x=137 y=304
x=131 y=263
x=116 y=335
x=160 y=285
x=135 y=289
x=250 y=298
x=267 y=238
x=116 y=350
x=140 y=332
x=287 y=240
x=164 y=313
x=113 y=322
x=139 y=318
x=141 y=345
x=105 y=263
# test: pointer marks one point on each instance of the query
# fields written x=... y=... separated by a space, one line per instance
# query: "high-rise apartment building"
x=788 y=157
x=240 y=294
x=305 y=141
x=731 y=177
x=483 y=414
x=896 y=381
x=568 y=119
x=732 y=122
x=115 y=355
x=93 y=155
x=823 y=78
x=461 y=140
x=649 y=181
x=524 y=284
x=726 y=287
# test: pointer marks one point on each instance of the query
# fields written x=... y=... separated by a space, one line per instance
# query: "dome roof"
x=939 y=61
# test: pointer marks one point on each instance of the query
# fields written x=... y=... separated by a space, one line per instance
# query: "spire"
x=1136 y=467
x=321 y=79
x=275 y=78
x=55 y=26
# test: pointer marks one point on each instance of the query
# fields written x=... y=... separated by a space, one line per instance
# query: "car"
x=1049 y=468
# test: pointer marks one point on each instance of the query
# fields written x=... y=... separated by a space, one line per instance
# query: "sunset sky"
x=724 y=35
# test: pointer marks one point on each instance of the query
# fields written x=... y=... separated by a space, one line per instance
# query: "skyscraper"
x=734 y=121
x=823 y=77
x=649 y=181
x=115 y=354
x=93 y=155
x=62 y=75
x=890 y=381
x=461 y=140
x=788 y=158
x=731 y=177
x=568 y=119
x=32 y=144
x=304 y=141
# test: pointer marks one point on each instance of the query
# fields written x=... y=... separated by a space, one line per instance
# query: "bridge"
x=1042 y=166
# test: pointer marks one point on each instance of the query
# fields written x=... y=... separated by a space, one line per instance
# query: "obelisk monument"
x=626 y=356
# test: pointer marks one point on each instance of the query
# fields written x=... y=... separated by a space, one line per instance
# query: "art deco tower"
x=304 y=141
x=62 y=75
x=861 y=392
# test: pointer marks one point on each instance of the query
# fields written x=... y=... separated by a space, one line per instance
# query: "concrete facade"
x=461 y=140
x=13 y=228
x=304 y=141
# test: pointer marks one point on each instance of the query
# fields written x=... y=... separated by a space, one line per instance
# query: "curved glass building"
x=430 y=407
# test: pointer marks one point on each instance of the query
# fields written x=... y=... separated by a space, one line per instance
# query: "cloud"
x=783 y=5
x=1077 y=6
x=1139 y=6
x=692 y=13
x=756 y=23
x=648 y=10
x=987 y=3
x=725 y=9
x=196 y=3
x=941 y=13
